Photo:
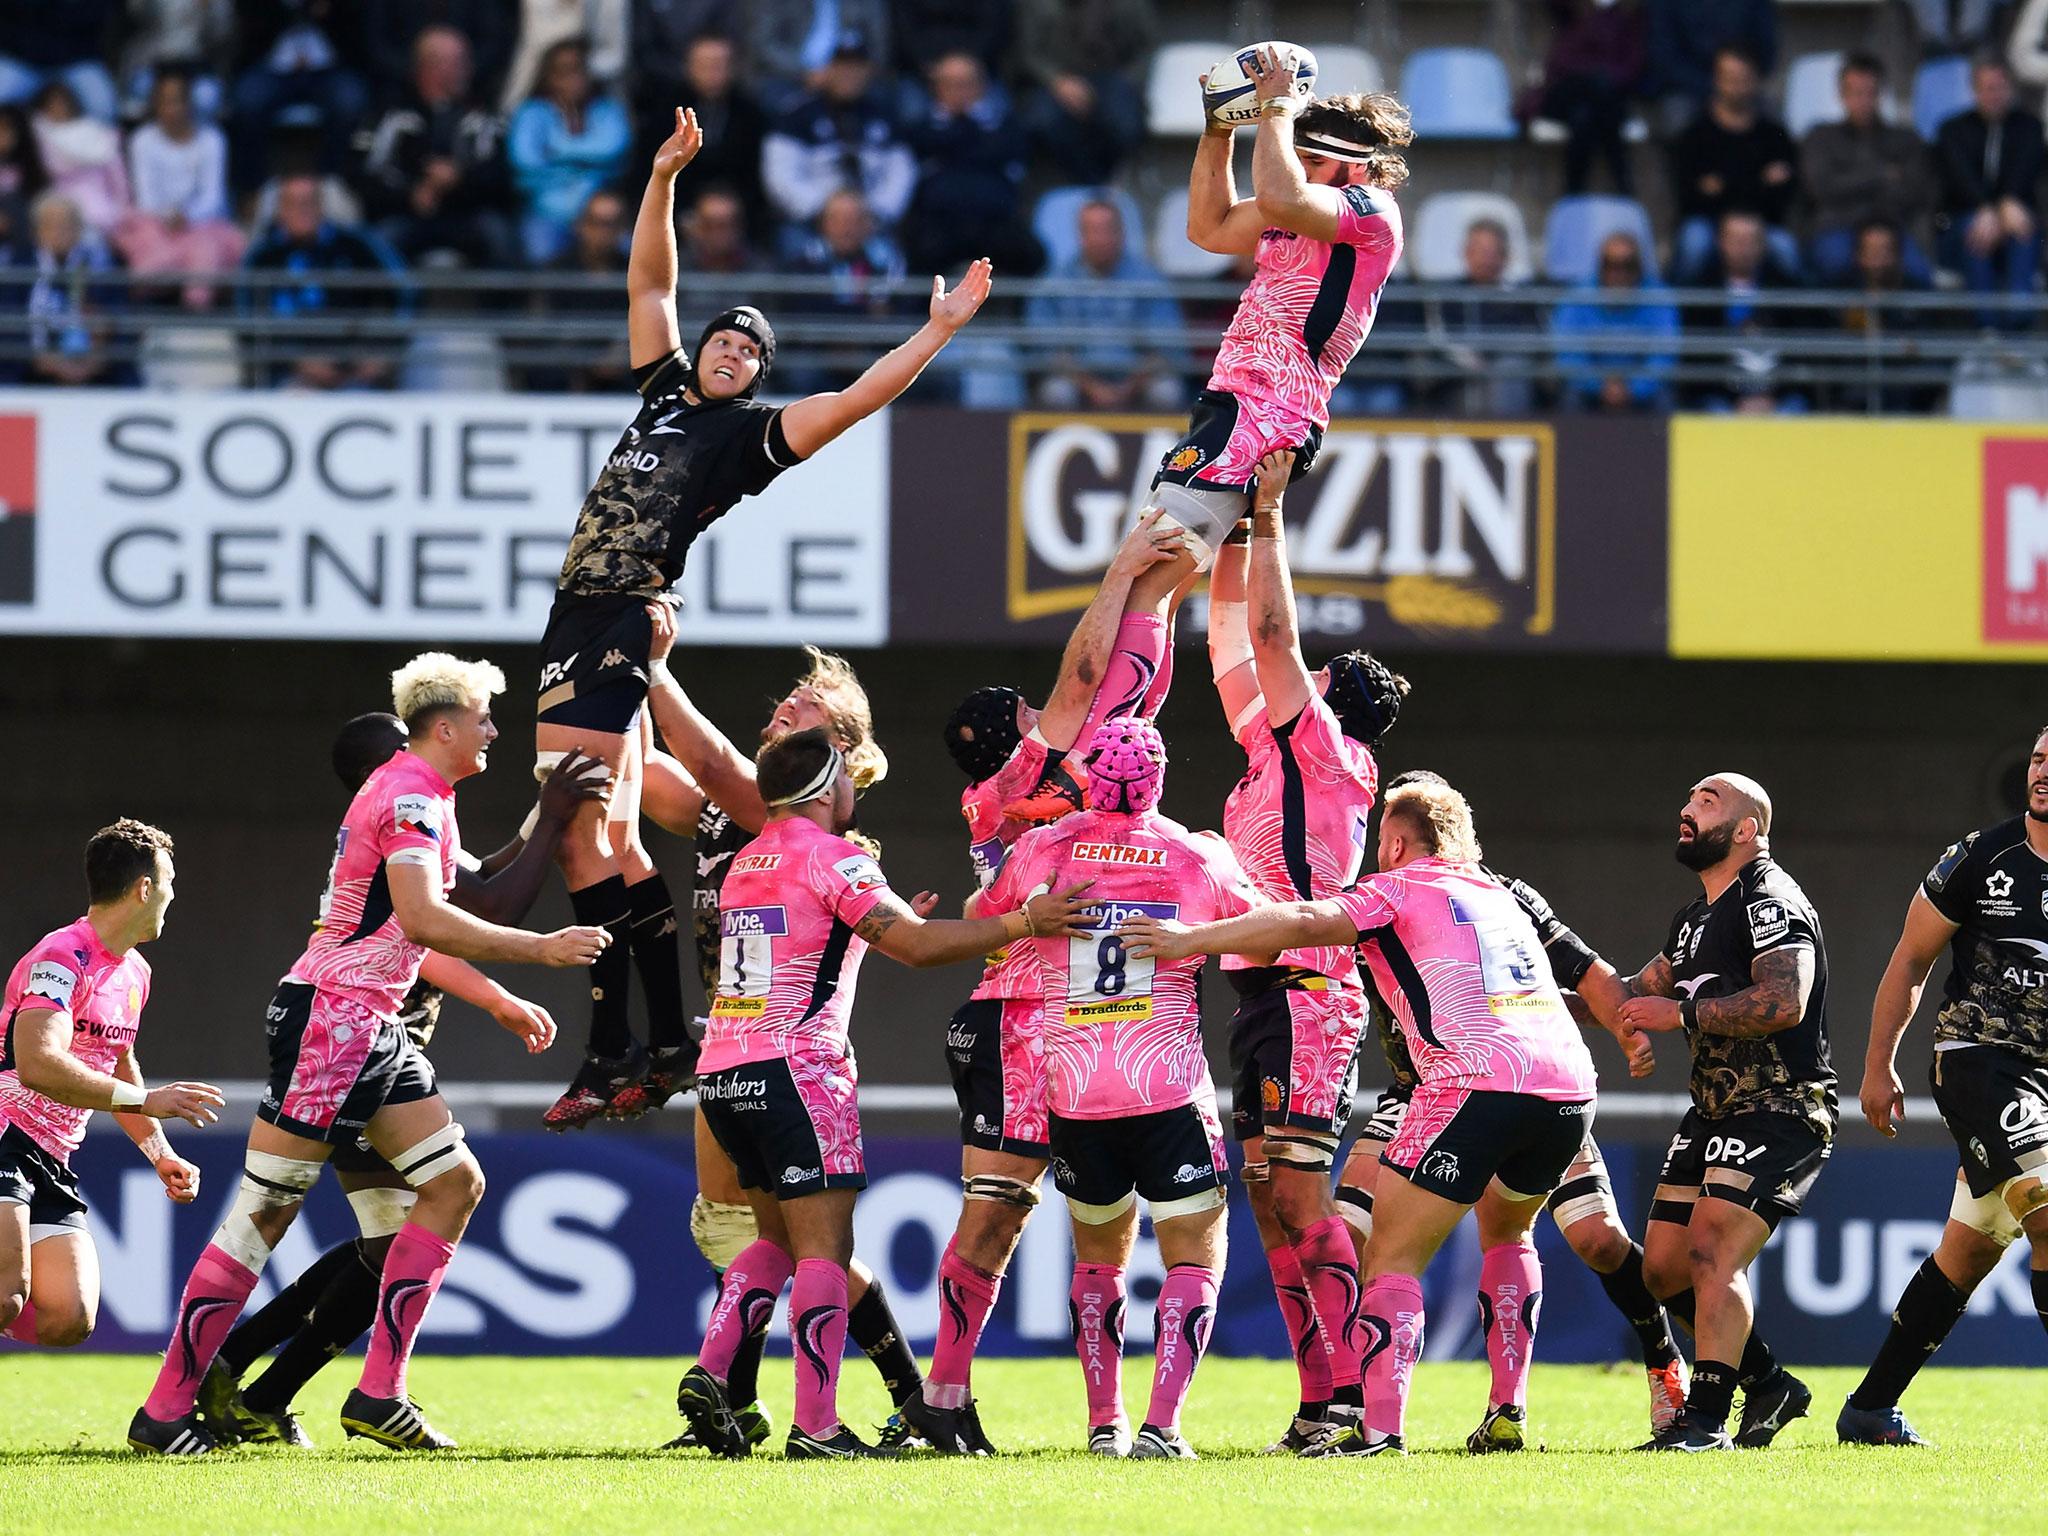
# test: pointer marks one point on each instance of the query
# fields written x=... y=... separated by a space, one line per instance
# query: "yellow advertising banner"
x=1850 y=539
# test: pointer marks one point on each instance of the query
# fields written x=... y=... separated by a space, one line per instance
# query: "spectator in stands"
x=606 y=25
x=1487 y=303
x=21 y=176
x=67 y=40
x=305 y=245
x=82 y=157
x=714 y=251
x=1861 y=169
x=843 y=134
x=2026 y=50
x=70 y=300
x=1100 y=363
x=565 y=143
x=1743 y=268
x=1085 y=109
x=660 y=34
x=860 y=262
x=178 y=170
x=1598 y=51
x=928 y=31
x=1950 y=27
x=1633 y=380
x=1733 y=157
x=728 y=117
x=196 y=36
x=1879 y=274
x=298 y=68
x=434 y=175
x=1686 y=39
x=390 y=26
x=597 y=251
x=972 y=157
x=1990 y=160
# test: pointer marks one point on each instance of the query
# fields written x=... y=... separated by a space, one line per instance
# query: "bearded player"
x=67 y=1047
x=1132 y=1109
x=700 y=443
x=1327 y=234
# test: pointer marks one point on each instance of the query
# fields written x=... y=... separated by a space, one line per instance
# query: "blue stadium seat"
x=1436 y=236
x=1173 y=102
x=1172 y=252
x=1575 y=227
x=1055 y=221
x=1458 y=93
x=1940 y=90
x=1342 y=69
x=1813 y=94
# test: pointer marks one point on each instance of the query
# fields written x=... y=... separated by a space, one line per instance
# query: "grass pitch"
x=558 y=1448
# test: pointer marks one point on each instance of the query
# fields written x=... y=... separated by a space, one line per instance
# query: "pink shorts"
x=1227 y=436
x=1291 y=1054
x=334 y=1062
x=791 y=1125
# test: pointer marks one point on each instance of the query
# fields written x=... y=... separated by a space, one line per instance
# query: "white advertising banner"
x=414 y=517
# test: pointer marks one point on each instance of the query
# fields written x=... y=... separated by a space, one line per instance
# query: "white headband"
x=819 y=786
x=1331 y=148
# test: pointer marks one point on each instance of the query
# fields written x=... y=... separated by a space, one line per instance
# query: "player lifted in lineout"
x=1327 y=234
x=700 y=443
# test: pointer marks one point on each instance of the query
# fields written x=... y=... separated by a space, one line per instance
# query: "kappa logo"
x=17 y=510
x=614 y=658
x=1063 y=1172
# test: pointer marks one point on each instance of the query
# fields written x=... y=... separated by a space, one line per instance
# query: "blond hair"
x=852 y=719
x=1374 y=119
x=434 y=681
x=1439 y=816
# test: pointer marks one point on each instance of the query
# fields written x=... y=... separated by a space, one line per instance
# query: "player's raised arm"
x=1218 y=219
x=504 y=887
x=1086 y=658
x=1269 y=595
x=813 y=422
x=1925 y=935
x=44 y=1063
x=651 y=327
x=722 y=771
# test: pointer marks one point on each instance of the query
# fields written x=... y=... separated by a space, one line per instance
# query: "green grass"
x=559 y=1447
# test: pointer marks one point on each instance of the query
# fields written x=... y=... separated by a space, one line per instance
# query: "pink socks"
x=413 y=1271
x=966 y=1297
x=1311 y=1359
x=1328 y=1262
x=817 y=1328
x=746 y=1303
x=1510 y=1292
x=1095 y=1304
x=1180 y=1333
x=1391 y=1318
x=213 y=1299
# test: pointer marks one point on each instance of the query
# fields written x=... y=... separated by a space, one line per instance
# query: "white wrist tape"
x=128 y=1095
x=532 y=820
x=1230 y=637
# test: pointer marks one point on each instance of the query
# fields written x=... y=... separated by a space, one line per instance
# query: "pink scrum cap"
x=1126 y=765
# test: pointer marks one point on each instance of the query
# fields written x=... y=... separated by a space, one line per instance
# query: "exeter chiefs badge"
x=1184 y=458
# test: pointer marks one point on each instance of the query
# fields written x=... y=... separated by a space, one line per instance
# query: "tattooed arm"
x=1775 y=999
x=904 y=933
x=1652 y=997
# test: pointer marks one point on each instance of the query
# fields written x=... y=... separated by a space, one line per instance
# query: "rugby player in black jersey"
x=700 y=443
x=1744 y=973
x=1986 y=902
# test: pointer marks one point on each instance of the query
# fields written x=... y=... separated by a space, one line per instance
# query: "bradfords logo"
x=1441 y=527
x=17 y=509
x=2015 y=540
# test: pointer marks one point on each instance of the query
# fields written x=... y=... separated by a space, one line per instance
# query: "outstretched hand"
x=1158 y=939
x=955 y=309
x=680 y=147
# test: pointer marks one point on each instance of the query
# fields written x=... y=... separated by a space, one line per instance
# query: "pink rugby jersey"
x=1122 y=1036
x=403 y=814
x=1309 y=307
x=71 y=972
x=1009 y=972
x=1297 y=820
x=1458 y=961
x=788 y=957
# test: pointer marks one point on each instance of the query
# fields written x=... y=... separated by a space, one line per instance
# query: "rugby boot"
x=701 y=1397
x=590 y=1092
x=841 y=1445
x=186 y=1435
x=976 y=1435
x=753 y=1421
x=671 y=1070
x=1875 y=1426
x=218 y=1394
x=1299 y=1435
x=1152 y=1443
x=1686 y=1434
x=1668 y=1386
x=257 y=1426
x=897 y=1433
x=944 y=1429
x=1110 y=1439
x=1769 y=1405
x=393 y=1422
x=1505 y=1428
x=1062 y=790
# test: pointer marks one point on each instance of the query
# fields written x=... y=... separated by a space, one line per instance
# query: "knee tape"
x=1187 y=1205
x=1230 y=637
x=1303 y=1150
x=624 y=804
x=721 y=1231
x=1000 y=1189
x=544 y=764
x=269 y=1183
x=381 y=1212
x=1355 y=1206
x=1991 y=1215
x=430 y=1156
x=1255 y=1173
x=1100 y=1215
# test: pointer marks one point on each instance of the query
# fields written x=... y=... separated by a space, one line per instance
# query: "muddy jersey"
x=403 y=814
x=788 y=956
x=991 y=833
x=1122 y=1036
x=1457 y=961
x=71 y=972
x=679 y=468
x=1297 y=819
x=1712 y=949
x=718 y=838
x=1995 y=889
x=1309 y=307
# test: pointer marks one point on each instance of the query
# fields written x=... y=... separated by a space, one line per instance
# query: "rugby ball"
x=1228 y=95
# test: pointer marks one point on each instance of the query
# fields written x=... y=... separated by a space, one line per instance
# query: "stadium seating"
x=1812 y=94
x=1575 y=227
x=1941 y=89
x=1173 y=102
x=1172 y=252
x=1458 y=93
x=1054 y=220
x=1436 y=237
x=1342 y=69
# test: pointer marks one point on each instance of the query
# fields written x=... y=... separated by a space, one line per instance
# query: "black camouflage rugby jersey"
x=1995 y=888
x=679 y=468
x=1711 y=949
x=719 y=837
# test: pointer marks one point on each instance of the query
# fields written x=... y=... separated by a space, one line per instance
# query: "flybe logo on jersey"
x=987 y=858
x=754 y=922
x=1113 y=853
x=1104 y=916
x=756 y=863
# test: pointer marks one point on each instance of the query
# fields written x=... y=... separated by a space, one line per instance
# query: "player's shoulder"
x=1765 y=876
x=1527 y=897
x=1371 y=202
x=856 y=867
x=70 y=946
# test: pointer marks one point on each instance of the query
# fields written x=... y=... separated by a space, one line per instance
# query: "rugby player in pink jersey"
x=67 y=1047
x=800 y=906
x=1297 y=823
x=342 y=1066
x=1133 y=1111
x=1327 y=234
x=1505 y=1094
x=1119 y=660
